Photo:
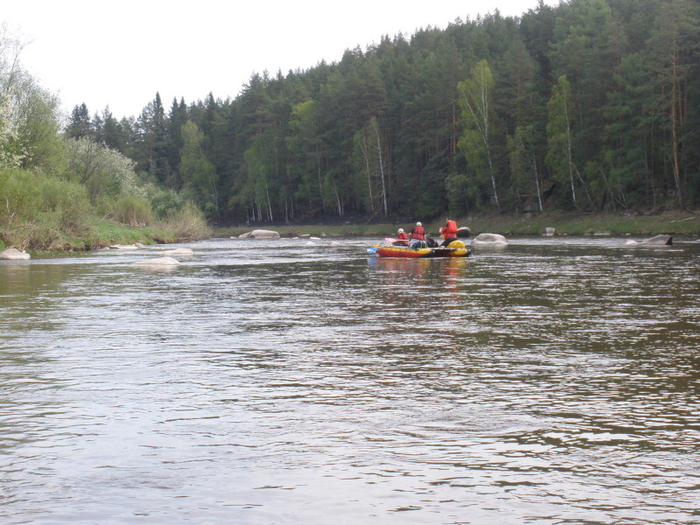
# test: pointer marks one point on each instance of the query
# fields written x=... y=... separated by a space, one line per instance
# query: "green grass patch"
x=671 y=223
x=106 y=233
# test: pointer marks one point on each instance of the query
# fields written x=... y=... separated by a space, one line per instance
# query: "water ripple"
x=279 y=382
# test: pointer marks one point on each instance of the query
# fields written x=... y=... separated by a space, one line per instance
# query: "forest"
x=592 y=105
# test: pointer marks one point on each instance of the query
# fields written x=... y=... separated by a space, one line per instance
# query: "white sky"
x=121 y=53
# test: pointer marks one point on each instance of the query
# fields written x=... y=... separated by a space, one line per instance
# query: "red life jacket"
x=449 y=231
x=418 y=233
x=401 y=240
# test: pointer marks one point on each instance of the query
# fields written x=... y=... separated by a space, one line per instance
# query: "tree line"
x=593 y=105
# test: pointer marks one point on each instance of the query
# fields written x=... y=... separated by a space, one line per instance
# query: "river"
x=555 y=381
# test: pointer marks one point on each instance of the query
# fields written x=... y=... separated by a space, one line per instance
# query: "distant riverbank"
x=104 y=233
x=670 y=223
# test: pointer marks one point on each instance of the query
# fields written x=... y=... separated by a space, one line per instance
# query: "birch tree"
x=674 y=51
x=559 y=154
x=369 y=144
x=476 y=102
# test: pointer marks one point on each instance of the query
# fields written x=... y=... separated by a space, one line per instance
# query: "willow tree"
x=476 y=103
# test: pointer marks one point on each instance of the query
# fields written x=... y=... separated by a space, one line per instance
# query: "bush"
x=66 y=203
x=164 y=203
x=188 y=223
x=20 y=196
x=134 y=211
x=38 y=210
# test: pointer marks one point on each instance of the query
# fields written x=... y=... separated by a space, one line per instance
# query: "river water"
x=556 y=381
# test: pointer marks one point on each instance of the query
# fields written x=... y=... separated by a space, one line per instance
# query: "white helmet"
x=400 y=230
x=418 y=224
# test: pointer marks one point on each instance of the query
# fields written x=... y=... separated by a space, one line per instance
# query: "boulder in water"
x=159 y=261
x=659 y=240
x=260 y=234
x=490 y=239
x=179 y=251
x=13 y=254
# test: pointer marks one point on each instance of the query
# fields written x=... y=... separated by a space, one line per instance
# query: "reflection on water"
x=278 y=382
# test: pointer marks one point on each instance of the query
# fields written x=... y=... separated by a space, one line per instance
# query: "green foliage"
x=197 y=173
x=476 y=101
x=51 y=186
x=591 y=105
x=560 y=146
x=188 y=223
x=38 y=209
x=133 y=210
x=105 y=173
x=164 y=202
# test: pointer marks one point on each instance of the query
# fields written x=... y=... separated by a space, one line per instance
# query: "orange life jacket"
x=418 y=233
x=449 y=230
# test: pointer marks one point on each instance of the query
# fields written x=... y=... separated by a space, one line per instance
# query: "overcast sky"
x=119 y=54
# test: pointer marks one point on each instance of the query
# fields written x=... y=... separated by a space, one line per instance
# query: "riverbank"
x=669 y=223
x=101 y=233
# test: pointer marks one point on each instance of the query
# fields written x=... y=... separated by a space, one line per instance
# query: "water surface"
x=554 y=381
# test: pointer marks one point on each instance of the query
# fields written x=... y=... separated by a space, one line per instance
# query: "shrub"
x=134 y=211
x=188 y=223
x=165 y=203
x=38 y=210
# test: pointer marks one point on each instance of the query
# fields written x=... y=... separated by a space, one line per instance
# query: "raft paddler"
x=448 y=232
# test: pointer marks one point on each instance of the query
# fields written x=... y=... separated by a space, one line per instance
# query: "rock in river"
x=159 y=261
x=13 y=254
x=489 y=239
x=260 y=234
x=179 y=251
x=659 y=240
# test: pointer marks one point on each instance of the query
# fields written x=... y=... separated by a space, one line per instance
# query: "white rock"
x=13 y=254
x=260 y=234
x=179 y=251
x=264 y=234
x=124 y=247
x=160 y=261
x=490 y=238
x=659 y=240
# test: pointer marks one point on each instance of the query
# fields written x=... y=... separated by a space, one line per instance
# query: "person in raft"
x=418 y=236
x=448 y=232
x=401 y=238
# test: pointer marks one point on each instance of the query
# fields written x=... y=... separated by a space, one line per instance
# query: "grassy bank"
x=42 y=212
x=672 y=223
x=100 y=233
